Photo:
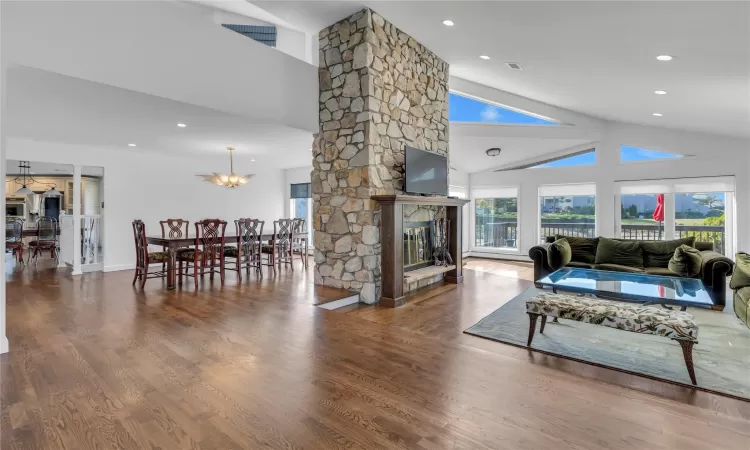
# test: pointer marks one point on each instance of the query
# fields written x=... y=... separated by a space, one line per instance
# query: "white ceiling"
x=596 y=58
x=50 y=107
x=468 y=153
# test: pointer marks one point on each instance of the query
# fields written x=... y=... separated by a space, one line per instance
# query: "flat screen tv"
x=426 y=173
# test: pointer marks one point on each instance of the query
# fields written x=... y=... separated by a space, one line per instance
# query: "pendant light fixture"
x=52 y=192
x=24 y=169
x=232 y=180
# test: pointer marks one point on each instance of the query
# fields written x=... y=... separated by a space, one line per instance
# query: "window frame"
x=486 y=192
x=565 y=190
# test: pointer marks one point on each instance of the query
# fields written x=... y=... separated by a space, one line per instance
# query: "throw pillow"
x=583 y=249
x=559 y=254
x=686 y=261
x=659 y=253
x=741 y=276
x=624 y=253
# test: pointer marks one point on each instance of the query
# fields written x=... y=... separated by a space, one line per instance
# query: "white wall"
x=165 y=48
x=714 y=156
x=154 y=187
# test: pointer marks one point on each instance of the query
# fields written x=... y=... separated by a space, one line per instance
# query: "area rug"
x=721 y=357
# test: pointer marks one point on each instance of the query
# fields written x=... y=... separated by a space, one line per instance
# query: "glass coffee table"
x=630 y=287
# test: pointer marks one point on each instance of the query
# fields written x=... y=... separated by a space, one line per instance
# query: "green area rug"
x=721 y=357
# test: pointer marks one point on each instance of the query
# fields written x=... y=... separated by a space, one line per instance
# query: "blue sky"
x=464 y=109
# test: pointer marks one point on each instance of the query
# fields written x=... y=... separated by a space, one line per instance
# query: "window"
x=301 y=205
x=496 y=218
x=637 y=217
x=702 y=215
x=568 y=209
x=630 y=154
x=263 y=34
x=700 y=207
x=463 y=108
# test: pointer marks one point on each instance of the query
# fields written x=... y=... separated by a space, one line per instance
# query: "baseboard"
x=505 y=256
x=4 y=346
x=117 y=268
x=340 y=303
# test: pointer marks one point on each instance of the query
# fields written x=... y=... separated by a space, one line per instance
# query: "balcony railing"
x=500 y=234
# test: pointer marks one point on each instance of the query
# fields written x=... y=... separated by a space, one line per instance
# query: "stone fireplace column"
x=379 y=91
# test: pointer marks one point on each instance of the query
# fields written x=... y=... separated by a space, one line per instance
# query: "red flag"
x=659 y=211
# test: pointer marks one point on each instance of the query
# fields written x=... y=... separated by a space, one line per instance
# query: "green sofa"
x=740 y=284
x=649 y=257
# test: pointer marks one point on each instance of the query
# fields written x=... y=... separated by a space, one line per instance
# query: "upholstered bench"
x=677 y=325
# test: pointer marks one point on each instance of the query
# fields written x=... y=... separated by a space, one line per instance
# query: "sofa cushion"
x=625 y=253
x=559 y=254
x=686 y=261
x=583 y=249
x=742 y=304
x=580 y=265
x=741 y=276
x=658 y=253
x=660 y=271
x=617 y=268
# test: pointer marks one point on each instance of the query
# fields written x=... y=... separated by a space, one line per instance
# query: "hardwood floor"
x=95 y=364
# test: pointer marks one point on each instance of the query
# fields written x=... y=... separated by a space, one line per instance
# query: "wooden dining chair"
x=299 y=243
x=46 y=238
x=144 y=258
x=175 y=229
x=247 y=254
x=208 y=255
x=280 y=249
x=14 y=237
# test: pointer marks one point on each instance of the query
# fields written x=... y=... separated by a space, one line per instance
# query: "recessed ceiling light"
x=448 y=23
x=181 y=125
x=660 y=92
x=252 y=160
x=484 y=56
x=658 y=114
x=131 y=145
x=664 y=58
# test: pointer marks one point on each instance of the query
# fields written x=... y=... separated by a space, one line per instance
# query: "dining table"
x=172 y=245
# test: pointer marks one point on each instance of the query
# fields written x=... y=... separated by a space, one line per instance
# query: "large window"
x=702 y=215
x=496 y=218
x=631 y=154
x=463 y=108
x=569 y=210
x=301 y=206
x=700 y=207
x=637 y=217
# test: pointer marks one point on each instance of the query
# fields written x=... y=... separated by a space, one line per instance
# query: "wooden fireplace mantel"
x=392 y=242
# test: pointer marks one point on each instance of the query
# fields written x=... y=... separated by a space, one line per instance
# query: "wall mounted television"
x=426 y=173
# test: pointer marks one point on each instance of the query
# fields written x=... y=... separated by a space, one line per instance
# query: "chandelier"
x=24 y=177
x=232 y=180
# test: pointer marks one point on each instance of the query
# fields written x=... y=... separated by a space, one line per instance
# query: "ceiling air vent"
x=513 y=65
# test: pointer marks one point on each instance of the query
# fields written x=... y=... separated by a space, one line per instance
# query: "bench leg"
x=687 y=352
x=532 y=326
x=544 y=322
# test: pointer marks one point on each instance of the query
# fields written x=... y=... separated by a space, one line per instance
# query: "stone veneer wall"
x=379 y=90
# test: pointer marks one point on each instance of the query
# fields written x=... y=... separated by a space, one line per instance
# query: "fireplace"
x=418 y=245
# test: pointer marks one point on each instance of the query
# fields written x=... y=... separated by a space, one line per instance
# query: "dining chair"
x=247 y=254
x=299 y=243
x=144 y=258
x=208 y=254
x=46 y=238
x=280 y=249
x=175 y=229
x=14 y=237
